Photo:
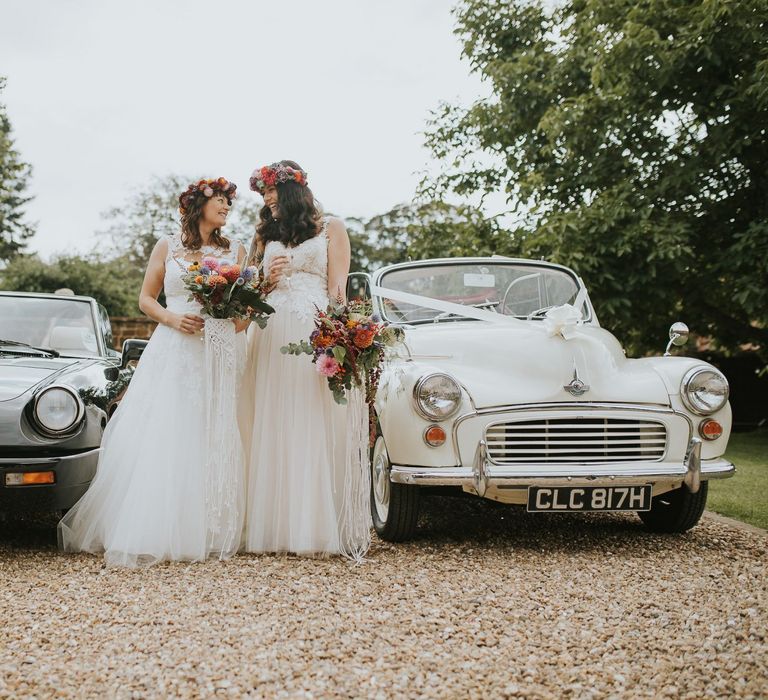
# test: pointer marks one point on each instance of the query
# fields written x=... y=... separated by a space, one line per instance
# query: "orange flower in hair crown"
x=274 y=174
x=206 y=189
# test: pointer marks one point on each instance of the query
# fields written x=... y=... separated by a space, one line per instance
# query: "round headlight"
x=704 y=390
x=437 y=396
x=58 y=410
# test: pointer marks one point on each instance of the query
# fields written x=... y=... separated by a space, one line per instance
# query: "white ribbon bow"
x=563 y=320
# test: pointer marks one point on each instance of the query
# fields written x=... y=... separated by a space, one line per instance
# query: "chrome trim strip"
x=531 y=476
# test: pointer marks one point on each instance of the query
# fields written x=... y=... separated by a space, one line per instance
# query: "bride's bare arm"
x=150 y=290
x=338 y=260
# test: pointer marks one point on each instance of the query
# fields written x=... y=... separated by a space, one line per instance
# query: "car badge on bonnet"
x=576 y=387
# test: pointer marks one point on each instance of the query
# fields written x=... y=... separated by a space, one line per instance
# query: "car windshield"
x=514 y=289
x=61 y=324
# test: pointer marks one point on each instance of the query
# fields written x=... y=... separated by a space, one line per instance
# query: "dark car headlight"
x=58 y=410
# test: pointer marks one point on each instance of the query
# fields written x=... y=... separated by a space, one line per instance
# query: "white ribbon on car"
x=565 y=319
x=224 y=456
x=562 y=320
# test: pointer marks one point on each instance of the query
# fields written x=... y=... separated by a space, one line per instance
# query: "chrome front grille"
x=565 y=440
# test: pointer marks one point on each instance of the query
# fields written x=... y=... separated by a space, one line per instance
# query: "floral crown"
x=276 y=173
x=206 y=188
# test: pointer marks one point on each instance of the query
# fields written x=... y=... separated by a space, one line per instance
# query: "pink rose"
x=327 y=366
x=208 y=192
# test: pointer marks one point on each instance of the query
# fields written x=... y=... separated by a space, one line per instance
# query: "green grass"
x=744 y=496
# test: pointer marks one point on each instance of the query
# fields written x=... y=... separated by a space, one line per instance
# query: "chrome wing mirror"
x=678 y=335
x=359 y=286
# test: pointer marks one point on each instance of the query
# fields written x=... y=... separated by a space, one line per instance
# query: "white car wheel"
x=380 y=479
x=394 y=507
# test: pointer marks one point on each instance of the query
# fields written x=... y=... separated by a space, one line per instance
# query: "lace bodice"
x=305 y=286
x=178 y=260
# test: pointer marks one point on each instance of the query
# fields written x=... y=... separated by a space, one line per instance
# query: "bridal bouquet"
x=227 y=291
x=348 y=346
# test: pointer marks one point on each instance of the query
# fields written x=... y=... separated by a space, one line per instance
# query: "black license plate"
x=561 y=499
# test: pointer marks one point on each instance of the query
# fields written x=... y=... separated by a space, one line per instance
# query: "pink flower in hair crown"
x=207 y=189
x=276 y=174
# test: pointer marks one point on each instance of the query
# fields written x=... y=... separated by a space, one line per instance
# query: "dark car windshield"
x=513 y=289
x=63 y=324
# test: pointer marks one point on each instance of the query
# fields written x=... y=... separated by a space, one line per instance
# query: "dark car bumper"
x=73 y=474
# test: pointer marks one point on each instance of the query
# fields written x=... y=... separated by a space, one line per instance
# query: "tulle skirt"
x=297 y=450
x=147 y=502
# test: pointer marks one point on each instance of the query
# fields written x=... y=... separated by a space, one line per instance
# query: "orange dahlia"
x=231 y=272
x=364 y=338
x=322 y=340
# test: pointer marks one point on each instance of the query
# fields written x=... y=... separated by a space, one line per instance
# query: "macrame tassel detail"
x=223 y=478
x=355 y=515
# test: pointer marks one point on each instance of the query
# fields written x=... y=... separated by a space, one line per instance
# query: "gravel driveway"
x=488 y=603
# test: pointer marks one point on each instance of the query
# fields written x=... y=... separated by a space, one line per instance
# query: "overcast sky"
x=103 y=95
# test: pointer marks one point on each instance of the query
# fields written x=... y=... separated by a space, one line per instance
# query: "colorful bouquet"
x=228 y=291
x=348 y=346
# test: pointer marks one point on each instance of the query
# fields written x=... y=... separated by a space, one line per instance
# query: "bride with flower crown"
x=161 y=491
x=307 y=485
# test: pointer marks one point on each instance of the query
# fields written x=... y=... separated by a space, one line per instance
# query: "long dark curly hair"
x=299 y=214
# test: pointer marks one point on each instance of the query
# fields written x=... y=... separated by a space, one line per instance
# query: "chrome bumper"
x=482 y=474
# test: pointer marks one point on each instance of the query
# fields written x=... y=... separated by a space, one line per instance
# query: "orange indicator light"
x=710 y=429
x=434 y=436
x=27 y=478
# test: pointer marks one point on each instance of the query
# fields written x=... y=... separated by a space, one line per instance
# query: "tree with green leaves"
x=14 y=180
x=114 y=283
x=432 y=229
x=630 y=136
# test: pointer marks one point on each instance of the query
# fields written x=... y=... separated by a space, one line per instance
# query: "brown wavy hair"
x=190 y=226
x=299 y=214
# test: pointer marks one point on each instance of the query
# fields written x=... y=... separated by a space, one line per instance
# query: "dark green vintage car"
x=60 y=382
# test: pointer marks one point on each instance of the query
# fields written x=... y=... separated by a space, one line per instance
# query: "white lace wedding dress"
x=307 y=489
x=155 y=496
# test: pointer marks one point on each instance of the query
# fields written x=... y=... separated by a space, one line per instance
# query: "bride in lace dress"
x=305 y=492
x=149 y=501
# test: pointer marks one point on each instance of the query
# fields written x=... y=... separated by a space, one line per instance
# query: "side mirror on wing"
x=132 y=350
x=678 y=336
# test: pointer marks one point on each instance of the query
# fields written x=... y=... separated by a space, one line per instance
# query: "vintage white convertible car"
x=508 y=388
